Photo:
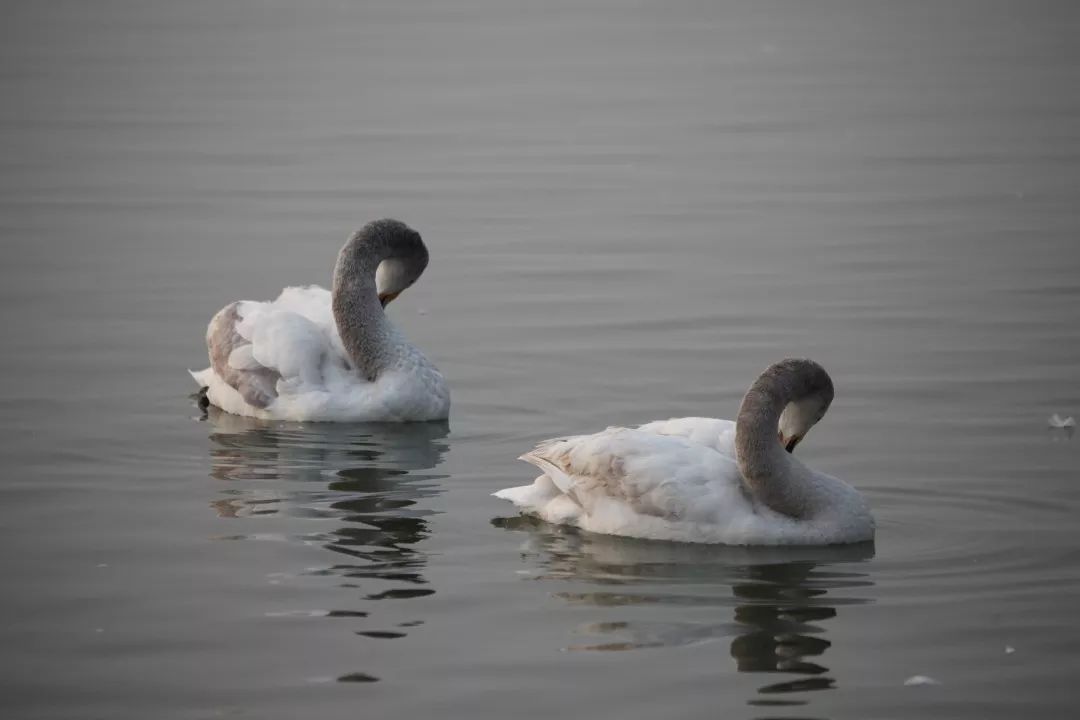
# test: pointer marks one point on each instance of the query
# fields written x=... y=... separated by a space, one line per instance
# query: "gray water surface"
x=632 y=208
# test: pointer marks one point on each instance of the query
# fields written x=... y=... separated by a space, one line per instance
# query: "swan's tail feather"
x=522 y=496
x=554 y=473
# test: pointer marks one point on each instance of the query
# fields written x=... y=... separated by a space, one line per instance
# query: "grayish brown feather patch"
x=258 y=386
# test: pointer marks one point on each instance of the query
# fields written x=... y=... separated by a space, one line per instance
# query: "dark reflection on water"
x=368 y=479
x=779 y=597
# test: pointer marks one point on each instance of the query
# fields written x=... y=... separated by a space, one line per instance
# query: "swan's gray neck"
x=766 y=467
x=366 y=334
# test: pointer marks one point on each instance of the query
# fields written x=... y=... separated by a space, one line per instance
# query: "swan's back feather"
x=647 y=474
x=711 y=432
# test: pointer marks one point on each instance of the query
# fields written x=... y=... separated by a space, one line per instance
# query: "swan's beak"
x=385 y=298
x=790 y=443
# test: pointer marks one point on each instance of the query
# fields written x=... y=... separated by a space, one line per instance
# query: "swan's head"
x=813 y=393
x=399 y=249
x=393 y=277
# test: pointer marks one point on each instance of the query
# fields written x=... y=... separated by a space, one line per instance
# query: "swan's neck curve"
x=767 y=469
x=365 y=332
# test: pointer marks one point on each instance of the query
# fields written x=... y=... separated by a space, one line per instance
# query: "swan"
x=329 y=355
x=668 y=481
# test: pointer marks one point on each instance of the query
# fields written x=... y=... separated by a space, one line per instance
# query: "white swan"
x=321 y=355
x=670 y=481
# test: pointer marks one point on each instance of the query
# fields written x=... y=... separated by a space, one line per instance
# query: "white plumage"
x=680 y=480
x=295 y=335
x=711 y=432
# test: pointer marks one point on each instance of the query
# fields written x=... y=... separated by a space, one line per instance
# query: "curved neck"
x=361 y=322
x=767 y=469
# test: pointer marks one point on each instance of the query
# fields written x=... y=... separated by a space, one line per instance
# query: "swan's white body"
x=675 y=480
x=296 y=337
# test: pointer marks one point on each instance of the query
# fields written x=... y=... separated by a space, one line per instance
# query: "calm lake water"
x=632 y=208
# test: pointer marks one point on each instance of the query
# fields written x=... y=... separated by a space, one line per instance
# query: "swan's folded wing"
x=642 y=472
x=255 y=346
x=232 y=359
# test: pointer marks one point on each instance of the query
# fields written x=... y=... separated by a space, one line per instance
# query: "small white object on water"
x=1009 y=649
x=1056 y=421
x=921 y=680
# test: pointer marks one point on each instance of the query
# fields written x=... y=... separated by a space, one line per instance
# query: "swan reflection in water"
x=778 y=596
x=358 y=490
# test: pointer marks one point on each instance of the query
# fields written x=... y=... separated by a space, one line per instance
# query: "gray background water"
x=632 y=208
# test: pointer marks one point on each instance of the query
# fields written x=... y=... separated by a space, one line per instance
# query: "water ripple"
x=368 y=481
x=778 y=600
